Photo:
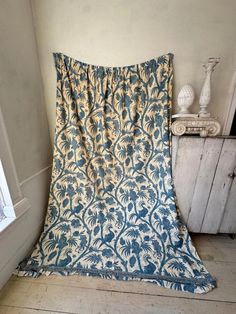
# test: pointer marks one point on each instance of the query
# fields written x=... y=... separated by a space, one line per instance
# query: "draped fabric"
x=112 y=210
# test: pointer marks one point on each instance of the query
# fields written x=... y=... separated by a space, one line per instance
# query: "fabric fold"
x=112 y=210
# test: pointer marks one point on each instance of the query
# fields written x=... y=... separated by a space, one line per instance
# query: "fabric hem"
x=36 y=271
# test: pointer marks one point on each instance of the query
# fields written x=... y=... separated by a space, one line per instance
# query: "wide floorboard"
x=87 y=295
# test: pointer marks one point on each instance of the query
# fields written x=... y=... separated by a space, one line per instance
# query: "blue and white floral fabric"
x=112 y=210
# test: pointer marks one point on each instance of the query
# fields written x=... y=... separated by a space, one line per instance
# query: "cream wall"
x=123 y=32
x=24 y=116
x=21 y=96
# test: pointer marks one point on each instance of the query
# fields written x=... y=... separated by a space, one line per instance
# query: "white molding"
x=8 y=163
x=231 y=108
x=34 y=175
x=21 y=204
x=21 y=207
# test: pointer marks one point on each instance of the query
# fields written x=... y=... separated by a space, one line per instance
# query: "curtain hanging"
x=112 y=210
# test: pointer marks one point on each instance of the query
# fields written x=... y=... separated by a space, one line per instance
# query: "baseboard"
x=7 y=270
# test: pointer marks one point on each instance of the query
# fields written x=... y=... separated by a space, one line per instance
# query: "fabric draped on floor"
x=112 y=210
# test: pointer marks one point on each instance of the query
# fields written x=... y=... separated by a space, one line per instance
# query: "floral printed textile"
x=112 y=209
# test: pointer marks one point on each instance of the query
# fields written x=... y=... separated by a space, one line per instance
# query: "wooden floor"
x=88 y=295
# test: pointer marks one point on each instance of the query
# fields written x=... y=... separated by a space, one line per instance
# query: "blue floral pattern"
x=111 y=210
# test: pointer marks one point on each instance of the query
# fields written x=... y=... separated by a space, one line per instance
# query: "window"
x=233 y=127
x=230 y=123
x=7 y=213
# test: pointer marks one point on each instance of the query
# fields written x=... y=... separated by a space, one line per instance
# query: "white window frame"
x=232 y=107
x=6 y=201
x=19 y=202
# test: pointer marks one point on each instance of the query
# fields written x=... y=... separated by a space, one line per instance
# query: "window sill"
x=5 y=223
x=20 y=209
